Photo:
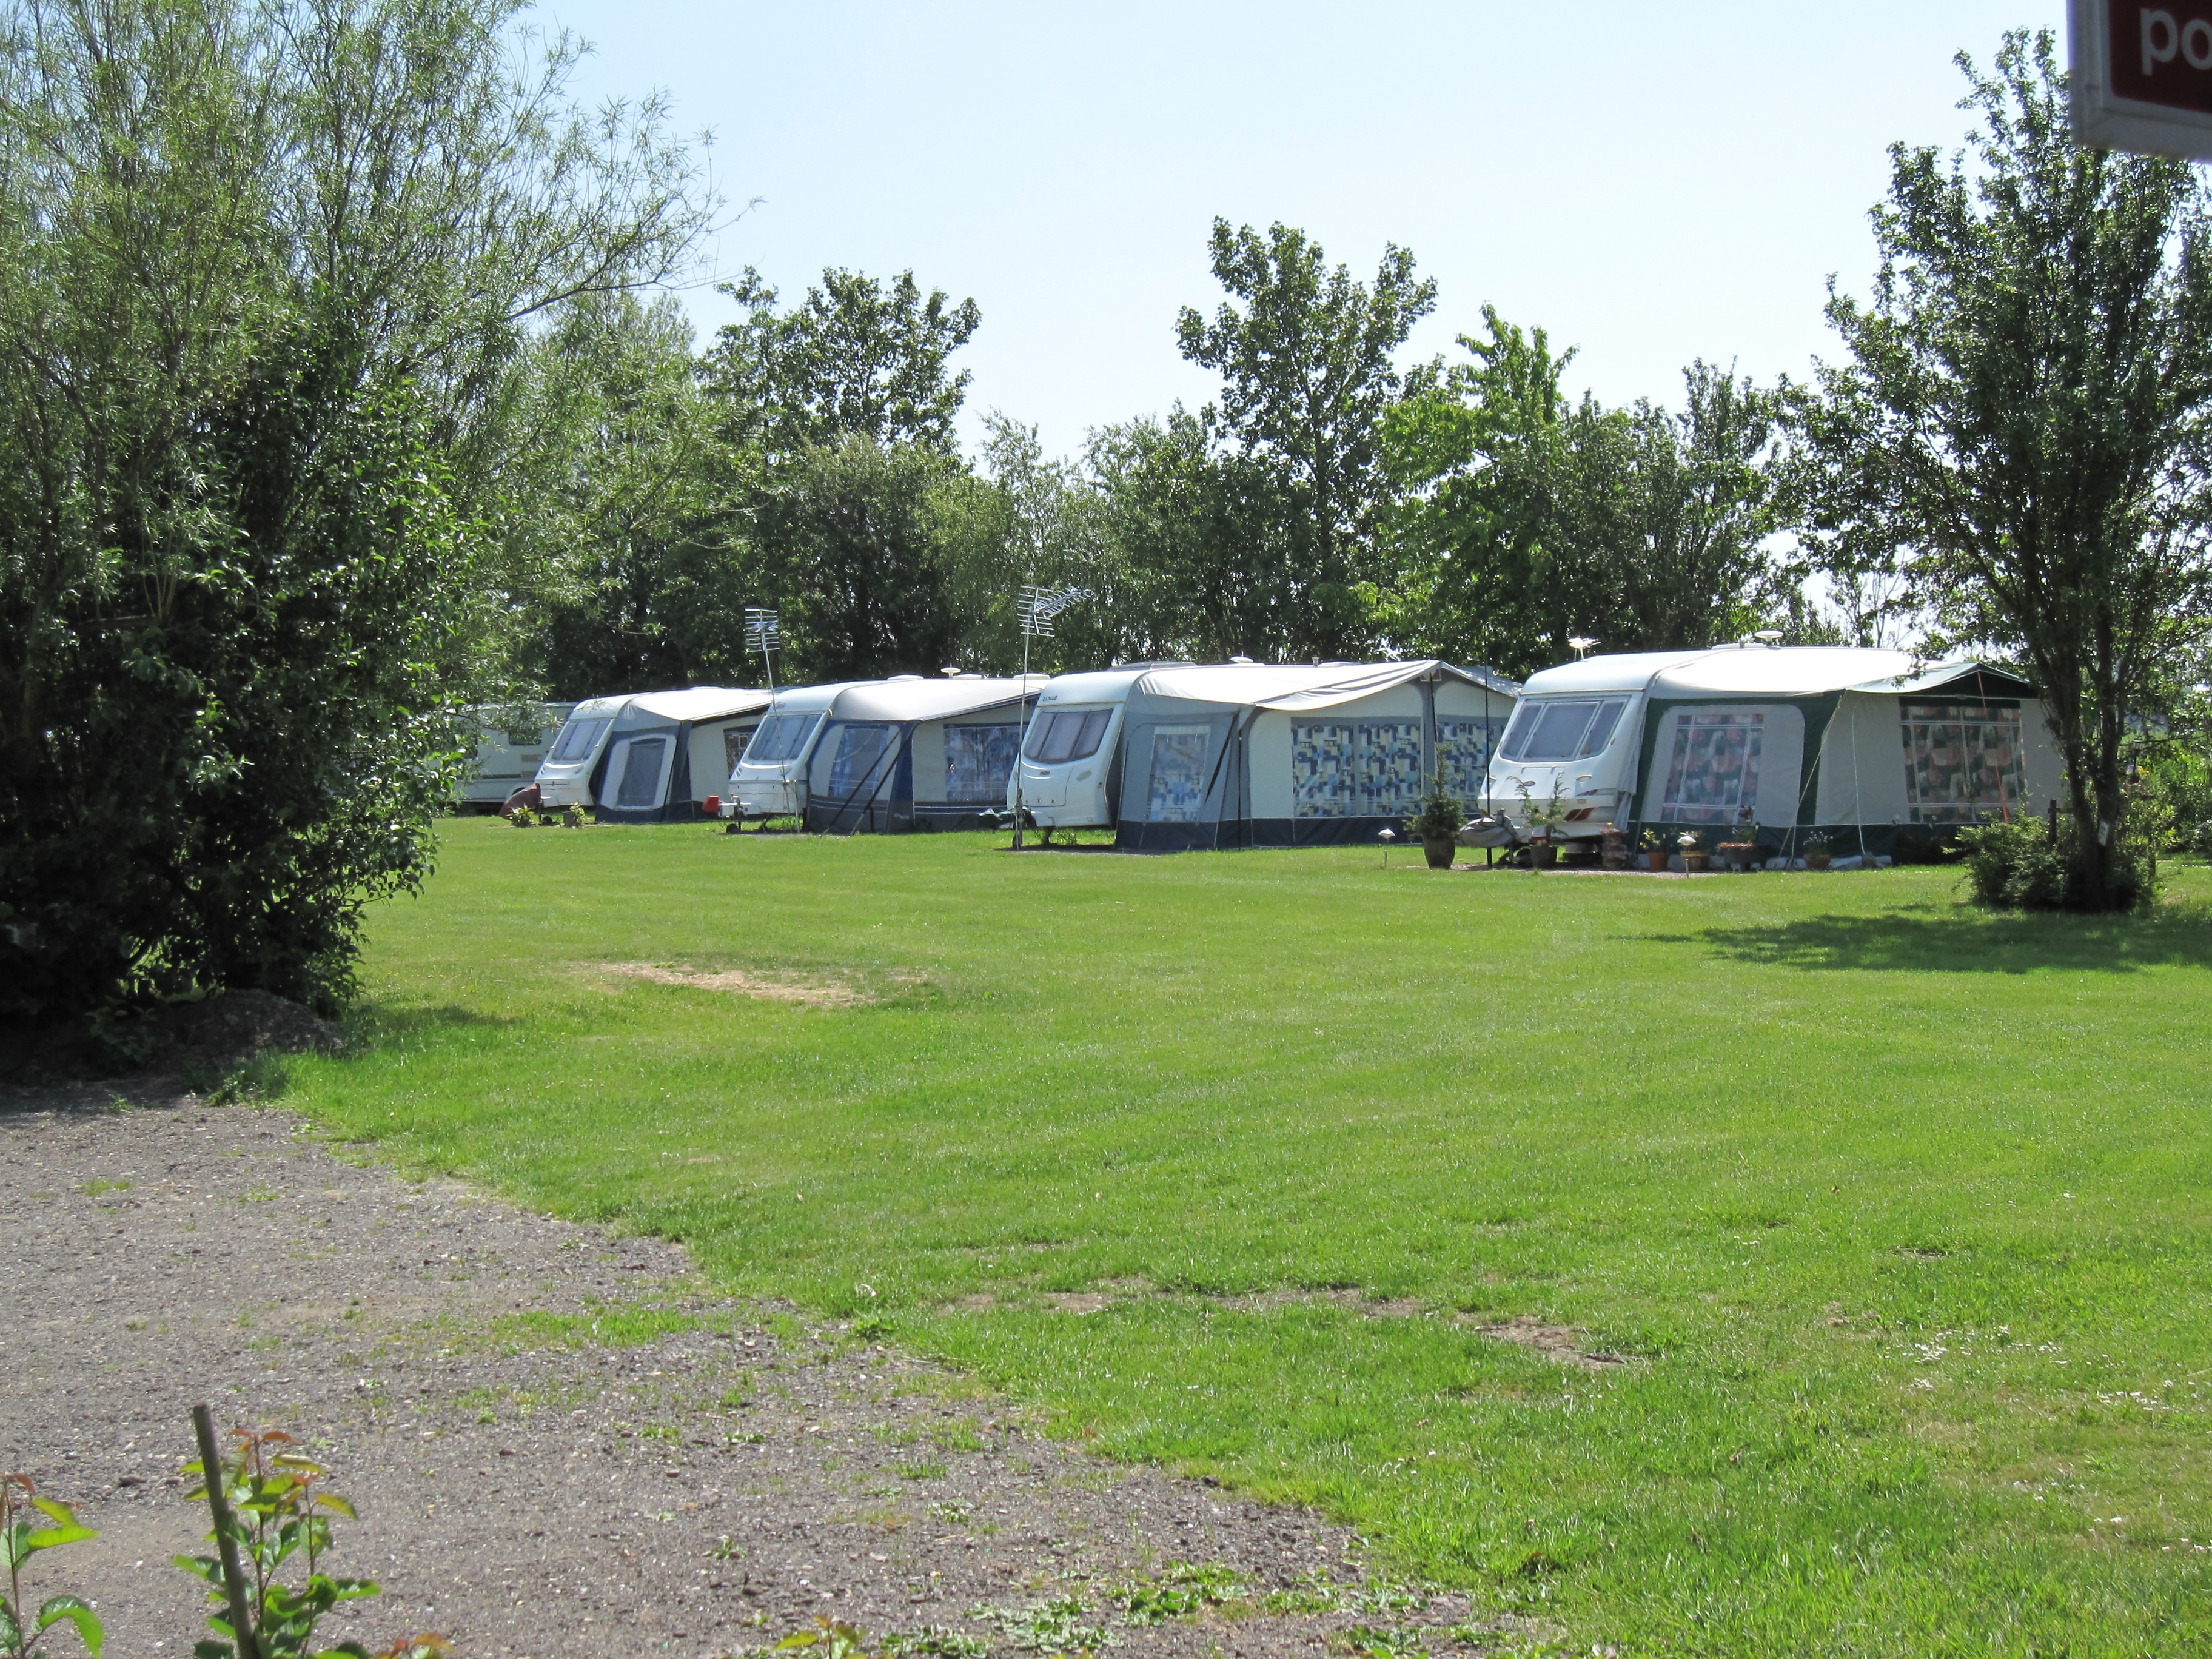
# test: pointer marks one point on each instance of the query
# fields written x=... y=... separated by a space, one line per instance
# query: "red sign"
x=2160 y=51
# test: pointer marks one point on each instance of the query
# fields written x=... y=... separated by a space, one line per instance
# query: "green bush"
x=2027 y=867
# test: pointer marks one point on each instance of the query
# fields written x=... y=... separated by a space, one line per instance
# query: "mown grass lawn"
x=1899 y=1208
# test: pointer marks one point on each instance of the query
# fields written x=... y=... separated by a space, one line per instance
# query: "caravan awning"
x=1296 y=687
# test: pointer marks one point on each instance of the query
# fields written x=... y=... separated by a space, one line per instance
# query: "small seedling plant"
x=279 y=1516
x=28 y=1524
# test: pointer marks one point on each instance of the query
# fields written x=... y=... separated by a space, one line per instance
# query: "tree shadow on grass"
x=1960 y=939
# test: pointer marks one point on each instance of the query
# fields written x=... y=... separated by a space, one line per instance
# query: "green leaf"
x=65 y=1529
x=331 y=1500
x=79 y=1612
x=11 y=1636
x=200 y=1566
x=343 y=1650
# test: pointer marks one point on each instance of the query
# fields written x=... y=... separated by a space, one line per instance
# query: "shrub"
x=1440 y=814
x=2026 y=866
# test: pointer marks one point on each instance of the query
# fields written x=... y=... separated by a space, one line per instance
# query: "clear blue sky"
x=1651 y=183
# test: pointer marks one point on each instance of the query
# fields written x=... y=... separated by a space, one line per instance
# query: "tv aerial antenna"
x=1035 y=606
x=764 y=634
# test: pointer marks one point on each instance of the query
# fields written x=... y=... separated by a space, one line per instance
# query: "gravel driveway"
x=561 y=1443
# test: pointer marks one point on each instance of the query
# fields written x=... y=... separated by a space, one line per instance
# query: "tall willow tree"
x=269 y=267
x=2024 y=426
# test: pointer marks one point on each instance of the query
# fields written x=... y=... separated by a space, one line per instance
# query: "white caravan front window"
x=780 y=738
x=642 y=762
x=1068 y=734
x=734 y=738
x=1601 y=728
x=577 y=739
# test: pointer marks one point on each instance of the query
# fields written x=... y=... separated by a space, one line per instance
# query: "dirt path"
x=559 y=1442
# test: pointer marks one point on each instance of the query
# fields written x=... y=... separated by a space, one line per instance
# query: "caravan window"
x=734 y=738
x=641 y=772
x=978 y=760
x=1600 y=728
x=1068 y=734
x=1463 y=755
x=1712 y=769
x=1178 y=780
x=578 y=738
x=857 y=767
x=1552 y=731
x=780 y=738
x=1963 y=761
x=1355 y=769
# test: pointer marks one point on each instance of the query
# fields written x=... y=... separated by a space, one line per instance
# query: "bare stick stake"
x=226 y=1541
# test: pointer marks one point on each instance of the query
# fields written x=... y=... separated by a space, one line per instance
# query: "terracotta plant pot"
x=1696 y=864
x=1819 y=860
x=1738 y=855
x=1439 y=850
x=1655 y=858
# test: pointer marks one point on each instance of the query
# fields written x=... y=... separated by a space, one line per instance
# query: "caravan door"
x=637 y=770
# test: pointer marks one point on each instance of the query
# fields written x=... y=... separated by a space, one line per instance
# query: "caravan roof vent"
x=896 y=678
x=1240 y=659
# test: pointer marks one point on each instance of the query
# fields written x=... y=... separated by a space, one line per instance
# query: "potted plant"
x=1654 y=847
x=1544 y=820
x=1613 y=841
x=1818 y=854
x=1695 y=860
x=1742 y=852
x=1438 y=821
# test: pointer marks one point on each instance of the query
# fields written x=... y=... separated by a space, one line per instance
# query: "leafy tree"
x=1523 y=521
x=853 y=358
x=1307 y=357
x=2021 y=428
x=859 y=561
x=268 y=266
x=643 y=587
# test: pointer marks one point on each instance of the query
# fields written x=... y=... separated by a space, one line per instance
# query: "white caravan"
x=769 y=779
x=1070 y=773
x=511 y=740
x=564 y=776
x=1859 y=744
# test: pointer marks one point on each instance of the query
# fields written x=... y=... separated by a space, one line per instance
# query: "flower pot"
x=1738 y=855
x=1543 y=856
x=1696 y=864
x=1439 y=850
x=1818 y=860
x=1655 y=858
